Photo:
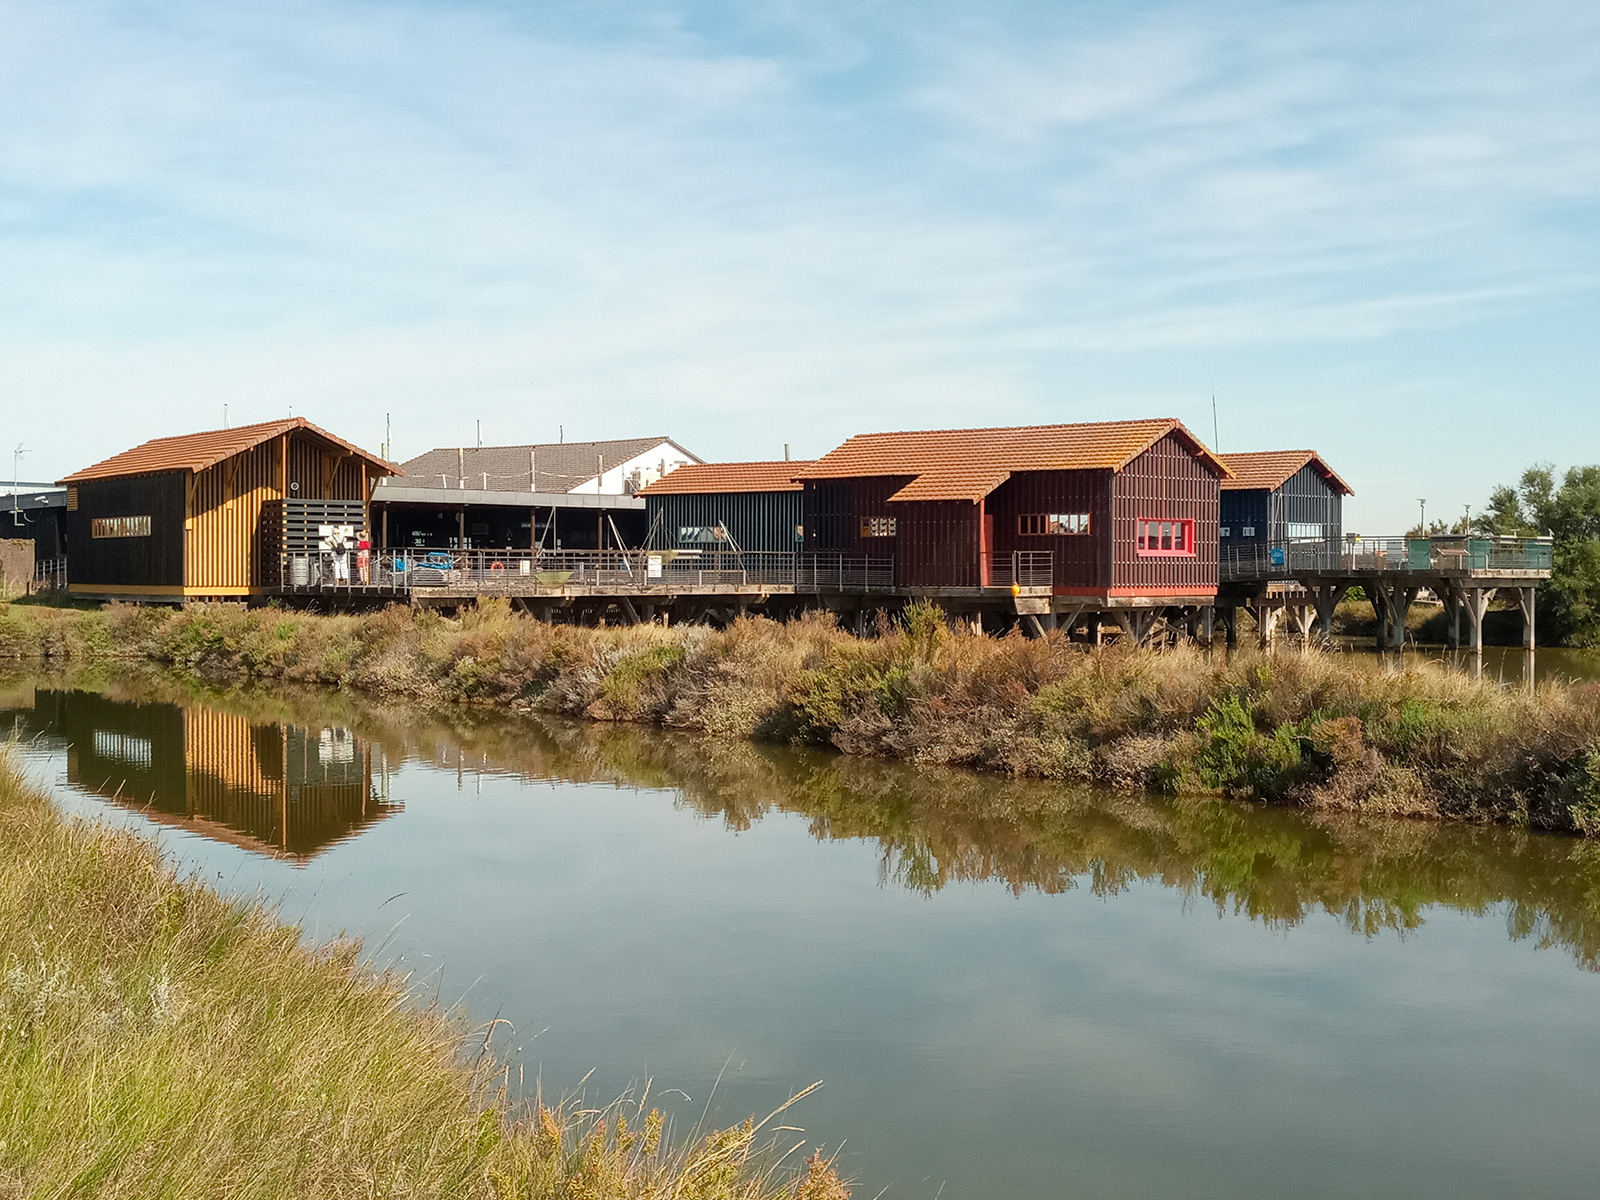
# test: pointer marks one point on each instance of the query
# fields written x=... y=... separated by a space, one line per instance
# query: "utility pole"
x=1423 y=521
x=16 y=479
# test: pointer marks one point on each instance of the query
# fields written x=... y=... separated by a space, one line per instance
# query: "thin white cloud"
x=726 y=219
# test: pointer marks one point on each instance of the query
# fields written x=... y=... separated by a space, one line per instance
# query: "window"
x=1169 y=538
x=1247 y=531
x=1224 y=531
x=1041 y=524
x=119 y=527
x=1305 y=531
x=875 y=527
x=704 y=534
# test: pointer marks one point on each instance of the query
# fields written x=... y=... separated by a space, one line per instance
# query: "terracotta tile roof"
x=1271 y=469
x=968 y=464
x=776 y=476
x=197 y=451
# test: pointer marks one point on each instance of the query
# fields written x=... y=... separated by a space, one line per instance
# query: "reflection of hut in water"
x=274 y=789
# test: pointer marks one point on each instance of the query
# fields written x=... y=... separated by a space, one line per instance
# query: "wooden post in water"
x=1525 y=597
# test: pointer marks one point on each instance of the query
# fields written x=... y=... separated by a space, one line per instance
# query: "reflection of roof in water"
x=274 y=789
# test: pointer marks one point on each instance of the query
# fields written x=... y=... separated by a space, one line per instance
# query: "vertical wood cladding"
x=227 y=546
x=1166 y=482
x=937 y=543
x=835 y=509
x=155 y=561
x=1305 y=499
x=756 y=520
x=1082 y=561
x=1246 y=508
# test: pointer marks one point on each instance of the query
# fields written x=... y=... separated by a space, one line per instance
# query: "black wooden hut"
x=202 y=515
x=724 y=506
x=1275 y=497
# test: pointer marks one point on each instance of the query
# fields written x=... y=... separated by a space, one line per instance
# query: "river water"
x=1009 y=991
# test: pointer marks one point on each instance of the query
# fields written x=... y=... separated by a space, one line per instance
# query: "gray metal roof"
x=562 y=465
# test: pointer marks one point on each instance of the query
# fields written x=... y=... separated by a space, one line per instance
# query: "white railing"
x=49 y=575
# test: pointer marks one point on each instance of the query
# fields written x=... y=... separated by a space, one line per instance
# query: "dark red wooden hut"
x=1109 y=511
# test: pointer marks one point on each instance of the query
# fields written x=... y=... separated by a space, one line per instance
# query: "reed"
x=158 y=1040
x=1325 y=730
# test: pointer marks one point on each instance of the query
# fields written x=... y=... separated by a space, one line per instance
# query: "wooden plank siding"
x=1166 y=482
x=224 y=547
x=836 y=508
x=150 y=565
x=937 y=543
x=756 y=520
x=1082 y=561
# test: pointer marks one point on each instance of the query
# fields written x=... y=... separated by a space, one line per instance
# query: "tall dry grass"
x=1327 y=730
x=157 y=1040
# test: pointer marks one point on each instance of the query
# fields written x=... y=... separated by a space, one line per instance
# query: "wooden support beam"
x=1304 y=617
x=1208 y=624
x=628 y=611
x=1525 y=600
x=1267 y=624
x=1404 y=598
x=1476 y=601
x=1325 y=597
x=1136 y=624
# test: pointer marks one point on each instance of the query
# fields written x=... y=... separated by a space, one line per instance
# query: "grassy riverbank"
x=1330 y=731
x=157 y=1040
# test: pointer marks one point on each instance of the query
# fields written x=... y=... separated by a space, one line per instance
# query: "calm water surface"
x=1010 y=991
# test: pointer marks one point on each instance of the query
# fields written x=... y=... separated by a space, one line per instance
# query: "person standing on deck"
x=339 y=548
x=364 y=558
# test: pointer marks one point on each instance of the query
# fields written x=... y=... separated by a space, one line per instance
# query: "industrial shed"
x=746 y=506
x=204 y=515
x=550 y=495
x=1107 y=512
x=1279 y=496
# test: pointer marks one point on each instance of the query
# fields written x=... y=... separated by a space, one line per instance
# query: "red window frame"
x=1157 y=537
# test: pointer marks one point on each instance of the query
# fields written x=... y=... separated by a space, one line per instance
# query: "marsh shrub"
x=1316 y=729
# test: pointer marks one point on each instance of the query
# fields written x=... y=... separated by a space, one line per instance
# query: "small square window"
x=1247 y=531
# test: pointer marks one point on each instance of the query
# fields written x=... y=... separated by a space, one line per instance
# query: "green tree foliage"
x=1567 y=511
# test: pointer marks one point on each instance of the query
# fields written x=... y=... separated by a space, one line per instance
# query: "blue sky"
x=1373 y=229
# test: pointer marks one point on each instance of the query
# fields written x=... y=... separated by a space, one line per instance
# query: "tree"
x=1569 y=514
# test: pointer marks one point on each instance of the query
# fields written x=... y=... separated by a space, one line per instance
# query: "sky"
x=1371 y=229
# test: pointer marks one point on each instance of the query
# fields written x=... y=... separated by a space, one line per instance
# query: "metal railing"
x=1368 y=555
x=49 y=575
x=529 y=572
x=1023 y=568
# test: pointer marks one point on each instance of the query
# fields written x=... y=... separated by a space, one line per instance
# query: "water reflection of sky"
x=1001 y=1042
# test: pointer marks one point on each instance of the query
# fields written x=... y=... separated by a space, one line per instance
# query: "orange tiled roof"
x=968 y=464
x=197 y=451
x=729 y=477
x=1271 y=469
